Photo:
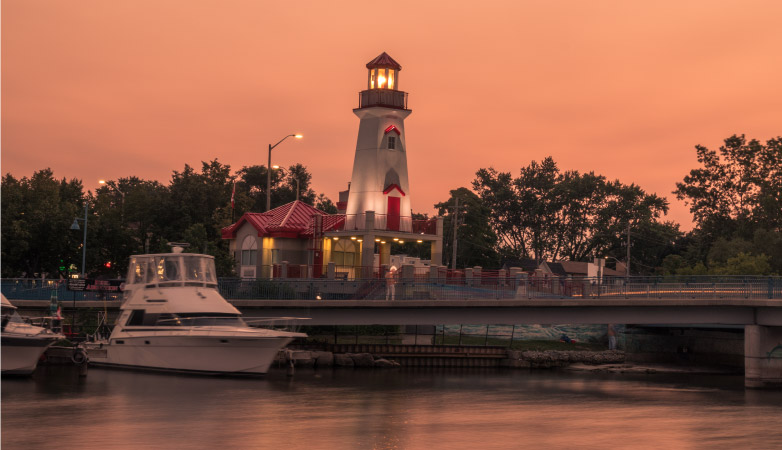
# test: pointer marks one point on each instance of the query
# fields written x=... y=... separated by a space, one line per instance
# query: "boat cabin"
x=171 y=269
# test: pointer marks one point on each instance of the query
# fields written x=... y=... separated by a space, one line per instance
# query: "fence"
x=447 y=285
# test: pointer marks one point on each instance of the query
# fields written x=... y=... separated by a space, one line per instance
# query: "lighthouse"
x=379 y=182
x=376 y=208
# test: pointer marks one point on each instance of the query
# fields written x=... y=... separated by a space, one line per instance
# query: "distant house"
x=576 y=269
x=527 y=265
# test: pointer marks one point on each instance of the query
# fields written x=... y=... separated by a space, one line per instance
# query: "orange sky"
x=108 y=89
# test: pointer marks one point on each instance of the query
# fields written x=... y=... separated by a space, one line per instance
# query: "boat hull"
x=207 y=354
x=20 y=355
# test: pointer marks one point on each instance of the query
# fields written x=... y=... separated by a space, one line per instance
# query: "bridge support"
x=762 y=356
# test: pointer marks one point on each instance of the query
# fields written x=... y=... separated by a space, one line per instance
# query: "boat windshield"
x=172 y=270
x=200 y=320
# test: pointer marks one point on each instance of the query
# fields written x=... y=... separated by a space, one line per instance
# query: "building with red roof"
x=375 y=210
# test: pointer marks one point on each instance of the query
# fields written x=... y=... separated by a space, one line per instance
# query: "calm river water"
x=380 y=409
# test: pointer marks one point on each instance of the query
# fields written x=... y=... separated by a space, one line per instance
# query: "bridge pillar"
x=762 y=356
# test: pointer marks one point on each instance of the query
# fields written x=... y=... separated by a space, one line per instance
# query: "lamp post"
x=75 y=226
x=269 y=170
x=122 y=195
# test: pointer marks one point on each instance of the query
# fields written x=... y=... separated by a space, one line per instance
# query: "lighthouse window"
x=392 y=142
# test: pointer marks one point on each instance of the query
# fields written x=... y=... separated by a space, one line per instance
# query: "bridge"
x=754 y=303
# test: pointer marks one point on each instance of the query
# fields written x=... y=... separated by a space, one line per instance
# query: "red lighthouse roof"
x=384 y=61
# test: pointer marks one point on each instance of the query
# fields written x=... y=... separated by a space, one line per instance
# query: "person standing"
x=390 y=282
x=611 y=337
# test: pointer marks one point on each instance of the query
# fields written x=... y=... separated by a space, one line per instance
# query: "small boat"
x=22 y=343
x=172 y=318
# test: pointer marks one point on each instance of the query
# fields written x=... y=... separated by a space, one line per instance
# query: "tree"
x=545 y=214
x=736 y=191
x=476 y=241
x=251 y=188
x=37 y=213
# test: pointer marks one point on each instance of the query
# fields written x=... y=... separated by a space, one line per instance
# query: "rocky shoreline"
x=515 y=359
x=560 y=358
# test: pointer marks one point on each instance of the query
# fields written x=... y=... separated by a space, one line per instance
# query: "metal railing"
x=453 y=286
x=382 y=97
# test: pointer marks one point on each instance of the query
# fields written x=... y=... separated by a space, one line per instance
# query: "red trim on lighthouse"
x=393 y=128
x=391 y=187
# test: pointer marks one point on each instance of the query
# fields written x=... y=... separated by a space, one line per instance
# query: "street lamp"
x=269 y=170
x=122 y=194
x=75 y=226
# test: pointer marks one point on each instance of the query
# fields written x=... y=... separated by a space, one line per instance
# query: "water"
x=386 y=409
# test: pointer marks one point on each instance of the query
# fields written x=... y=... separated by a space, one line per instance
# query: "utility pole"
x=455 y=224
x=627 y=269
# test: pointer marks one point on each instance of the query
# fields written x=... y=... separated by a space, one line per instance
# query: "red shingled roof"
x=292 y=220
x=384 y=61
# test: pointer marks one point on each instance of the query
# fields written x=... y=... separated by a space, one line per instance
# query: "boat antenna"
x=177 y=247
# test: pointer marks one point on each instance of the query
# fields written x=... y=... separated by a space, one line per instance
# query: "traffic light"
x=107 y=265
x=61 y=266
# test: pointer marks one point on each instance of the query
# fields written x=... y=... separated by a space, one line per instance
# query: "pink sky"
x=107 y=89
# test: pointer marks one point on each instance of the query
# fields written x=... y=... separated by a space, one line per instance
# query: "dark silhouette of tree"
x=545 y=214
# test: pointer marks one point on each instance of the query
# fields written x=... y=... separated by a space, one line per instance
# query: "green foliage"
x=131 y=216
x=737 y=191
x=740 y=264
x=545 y=214
x=37 y=214
x=744 y=264
x=476 y=243
x=251 y=188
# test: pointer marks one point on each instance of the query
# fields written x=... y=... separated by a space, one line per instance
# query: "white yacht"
x=173 y=318
x=22 y=343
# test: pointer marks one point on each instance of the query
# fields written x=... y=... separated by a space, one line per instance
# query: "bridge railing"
x=447 y=287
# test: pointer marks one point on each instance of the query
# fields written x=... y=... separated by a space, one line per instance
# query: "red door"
x=392 y=221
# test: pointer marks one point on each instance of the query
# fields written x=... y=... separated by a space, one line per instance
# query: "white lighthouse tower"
x=379 y=183
x=377 y=210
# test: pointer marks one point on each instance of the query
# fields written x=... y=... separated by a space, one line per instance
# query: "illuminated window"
x=391 y=78
x=372 y=76
x=381 y=79
x=392 y=142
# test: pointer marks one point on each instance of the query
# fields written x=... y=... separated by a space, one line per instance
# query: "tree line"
x=543 y=214
x=131 y=216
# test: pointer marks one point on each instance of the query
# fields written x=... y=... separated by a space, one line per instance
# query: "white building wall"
x=373 y=159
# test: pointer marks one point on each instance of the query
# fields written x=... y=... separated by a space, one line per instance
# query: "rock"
x=343 y=360
x=362 y=359
x=301 y=355
x=323 y=359
x=515 y=363
x=514 y=354
x=386 y=363
x=305 y=363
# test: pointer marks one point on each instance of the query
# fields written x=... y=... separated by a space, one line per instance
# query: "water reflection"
x=411 y=408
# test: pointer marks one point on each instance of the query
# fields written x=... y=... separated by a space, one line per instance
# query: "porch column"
x=368 y=247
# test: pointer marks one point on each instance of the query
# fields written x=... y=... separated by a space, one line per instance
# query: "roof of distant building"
x=292 y=220
x=527 y=265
